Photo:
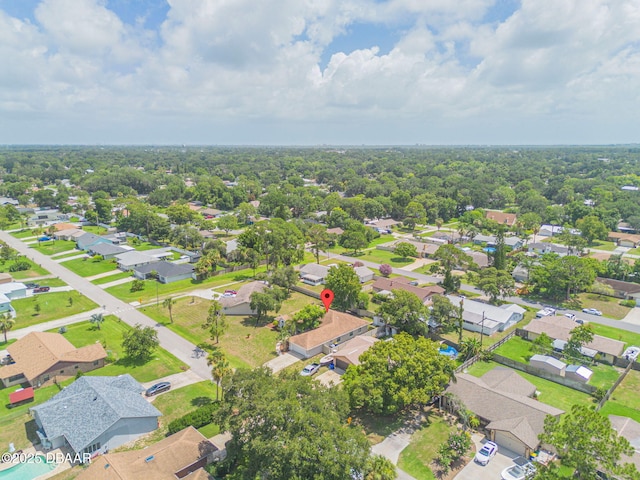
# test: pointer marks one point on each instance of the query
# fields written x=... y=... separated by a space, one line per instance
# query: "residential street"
x=170 y=341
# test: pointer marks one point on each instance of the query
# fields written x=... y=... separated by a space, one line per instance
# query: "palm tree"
x=97 y=319
x=439 y=223
x=219 y=367
x=380 y=468
x=470 y=347
x=6 y=323
x=169 y=303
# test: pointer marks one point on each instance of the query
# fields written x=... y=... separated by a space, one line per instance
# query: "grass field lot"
x=34 y=271
x=383 y=256
x=177 y=403
x=73 y=253
x=518 y=349
x=16 y=425
x=25 y=233
x=141 y=246
x=148 y=294
x=625 y=401
x=87 y=267
x=609 y=306
x=52 y=306
x=162 y=363
x=423 y=449
x=551 y=393
x=111 y=278
x=374 y=243
x=245 y=344
x=52 y=247
x=51 y=282
x=95 y=229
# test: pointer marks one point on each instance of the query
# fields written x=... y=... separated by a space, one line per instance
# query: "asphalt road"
x=170 y=341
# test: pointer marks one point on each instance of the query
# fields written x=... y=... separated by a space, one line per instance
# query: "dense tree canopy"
x=398 y=373
x=289 y=428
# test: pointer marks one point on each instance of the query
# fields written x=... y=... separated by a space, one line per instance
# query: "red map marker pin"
x=327 y=297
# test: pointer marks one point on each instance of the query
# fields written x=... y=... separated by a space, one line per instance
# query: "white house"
x=485 y=318
x=313 y=273
x=240 y=304
x=364 y=274
x=548 y=364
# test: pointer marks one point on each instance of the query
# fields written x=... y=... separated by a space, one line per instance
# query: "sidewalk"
x=117 y=282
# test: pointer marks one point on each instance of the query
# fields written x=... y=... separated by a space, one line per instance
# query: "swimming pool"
x=29 y=470
x=449 y=351
x=489 y=249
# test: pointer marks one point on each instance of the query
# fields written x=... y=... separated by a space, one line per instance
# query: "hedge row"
x=198 y=418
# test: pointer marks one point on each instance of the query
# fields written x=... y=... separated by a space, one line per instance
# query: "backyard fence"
x=615 y=385
x=467 y=363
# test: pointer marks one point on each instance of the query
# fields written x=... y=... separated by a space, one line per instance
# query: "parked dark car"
x=157 y=388
x=41 y=289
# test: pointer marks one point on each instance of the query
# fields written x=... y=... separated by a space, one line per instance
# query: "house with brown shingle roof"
x=382 y=285
x=508 y=219
x=559 y=327
x=40 y=358
x=511 y=418
x=335 y=328
x=626 y=290
x=182 y=454
x=239 y=304
x=349 y=352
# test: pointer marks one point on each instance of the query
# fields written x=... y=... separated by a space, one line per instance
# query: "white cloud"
x=218 y=62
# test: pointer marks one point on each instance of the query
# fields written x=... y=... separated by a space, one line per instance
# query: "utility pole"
x=481 y=329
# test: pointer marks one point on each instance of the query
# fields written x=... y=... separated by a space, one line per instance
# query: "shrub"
x=20 y=266
x=198 y=418
x=385 y=270
x=62 y=330
x=137 y=285
x=628 y=303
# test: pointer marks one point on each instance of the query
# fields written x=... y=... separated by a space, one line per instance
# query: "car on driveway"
x=41 y=289
x=230 y=293
x=522 y=470
x=486 y=453
x=310 y=369
x=592 y=311
x=157 y=388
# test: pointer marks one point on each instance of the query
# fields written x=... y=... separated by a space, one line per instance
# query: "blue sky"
x=306 y=72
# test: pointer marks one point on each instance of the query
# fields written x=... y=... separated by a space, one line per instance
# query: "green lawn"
x=177 y=403
x=142 y=246
x=148 y=294
x=383 y=256
x=609 y=306
x=51 y=282
x=16 y=425
x=54 y=246
x=87 y=267
x=52 y=306
x=246 y=345
x=75 y=253
x=518 y=349
x=110 y=334
x=95 y=229
x=626 y=395
x=416 y=458
x=551 y=393
x=111 y=278
x=26 y=233
x=603 y=245
x=629 y=338
x=34 y=271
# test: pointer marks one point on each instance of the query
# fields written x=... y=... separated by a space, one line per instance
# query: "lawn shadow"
x=252 y=321
x=201 y=401
x=31 y=427
x=129 y=362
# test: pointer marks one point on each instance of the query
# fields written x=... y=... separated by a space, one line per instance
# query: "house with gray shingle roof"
x=106 y=250
x=313 y=273
x=95 y=414
x=129 y=260
x=167 y=272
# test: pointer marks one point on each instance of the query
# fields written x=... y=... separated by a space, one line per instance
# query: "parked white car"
x=310 y=369
x=545 y=312
x=592 y=311
x=486 y=453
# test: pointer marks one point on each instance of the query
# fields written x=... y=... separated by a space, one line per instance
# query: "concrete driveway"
x=473 y=471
